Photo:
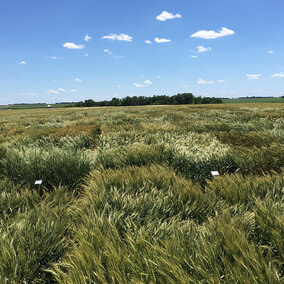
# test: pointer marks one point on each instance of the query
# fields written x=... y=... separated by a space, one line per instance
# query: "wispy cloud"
x=278 y=75
x=87 y=37
x=107 y=51
x=212 y=34
x=161 y=40
x=201 y=48
x=22 y=62
x=204 y=82
x=113 y=55
x=30 y=94
x=78 y=80
x=59 y=90
x=52 y=92
x=120 y=37
x=86 y=54
x=148 y=41
x=146 y=83
x=167 y=16
x=194 y=56
x=221 y=81
x=253 y=76
x=270 y=51
x=51 y=57
x=73 y=91
x=71 y=45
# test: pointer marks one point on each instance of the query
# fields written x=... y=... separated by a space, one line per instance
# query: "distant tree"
x=89 y=103
x=115 y=102
x=197 y=100
x=126 y=101
x=185 y=98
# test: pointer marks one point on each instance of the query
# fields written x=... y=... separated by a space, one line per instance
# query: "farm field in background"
x=63 y=105
x=253 y=100
x=32 y=106
x=128 y=196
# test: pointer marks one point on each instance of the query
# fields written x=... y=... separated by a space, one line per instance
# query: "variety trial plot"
x=161 y=194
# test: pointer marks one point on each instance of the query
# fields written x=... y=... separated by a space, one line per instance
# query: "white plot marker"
x=215 y=173
x=38 y=182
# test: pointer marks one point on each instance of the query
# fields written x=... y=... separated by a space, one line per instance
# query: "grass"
x=128 y=196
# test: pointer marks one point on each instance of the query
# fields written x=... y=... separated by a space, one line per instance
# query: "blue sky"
x=71 y=50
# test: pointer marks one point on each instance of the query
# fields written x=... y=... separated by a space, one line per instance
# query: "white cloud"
x=73 y=91
x=194 y=56
x=161 y=40
x=201 y=48
x=87 y=37
x=23 y=62
x=78 y=80
x=204 y=82
x=138 y=85
x=253 y=76
x=270 y=51
x=59 y=90
x=147 y=83
x=71 y=45
x=212 y=34
x=86 y=54
x=121 y=37
x=221 y=81
x=148 y=41
x=279 y=75
x=167 y=16
x=107 y=51
x=52 y=92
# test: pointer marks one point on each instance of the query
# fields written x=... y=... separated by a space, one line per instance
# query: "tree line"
x=179 y=99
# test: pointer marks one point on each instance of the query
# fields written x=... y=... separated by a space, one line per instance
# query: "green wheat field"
x=128 y=196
